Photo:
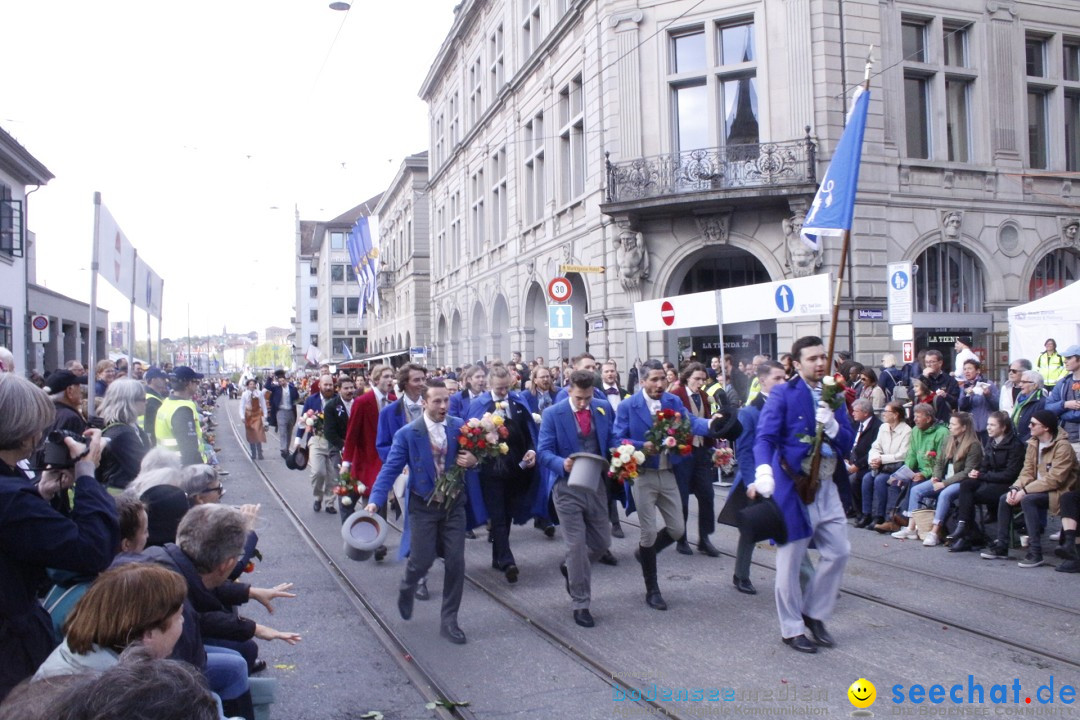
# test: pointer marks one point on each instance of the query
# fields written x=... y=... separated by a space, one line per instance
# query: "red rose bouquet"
x=670 y=433
x=484 y=437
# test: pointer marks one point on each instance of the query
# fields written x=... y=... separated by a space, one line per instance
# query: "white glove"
x=346 y=465
x=763 y=480
x=827 y=417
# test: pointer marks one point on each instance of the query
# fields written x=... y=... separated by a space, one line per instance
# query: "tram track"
x=937 y=618
x=426 y=682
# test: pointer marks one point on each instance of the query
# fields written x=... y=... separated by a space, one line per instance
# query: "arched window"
x=948 y=279
x=1057 y=269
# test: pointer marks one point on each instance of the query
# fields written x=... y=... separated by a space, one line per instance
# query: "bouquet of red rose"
x=347 y=486
x=312 y=422
x=484 y=437
x=670 y=433
x=724 y=457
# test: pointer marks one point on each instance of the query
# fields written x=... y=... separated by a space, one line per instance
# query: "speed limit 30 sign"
x=559 y=290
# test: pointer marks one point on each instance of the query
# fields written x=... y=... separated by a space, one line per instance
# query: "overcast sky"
x=203 y=124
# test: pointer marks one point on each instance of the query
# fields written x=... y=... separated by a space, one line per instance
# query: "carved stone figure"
x=633 y=258
x=801 y=258
x=1070 y=230
x=713 y=228
x=950 y=224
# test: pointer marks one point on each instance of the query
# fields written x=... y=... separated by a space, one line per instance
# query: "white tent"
x=1056 y=315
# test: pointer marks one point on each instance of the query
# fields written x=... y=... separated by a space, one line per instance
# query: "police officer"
x=177 y=426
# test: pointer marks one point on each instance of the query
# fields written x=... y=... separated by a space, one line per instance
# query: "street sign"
x=909 y=351
x=581 y=268
x=679 y=311
x=39 y=329
x=776 y=300
x=560 y=322
x=871 y=314
x=559 y=290
x=899 y=294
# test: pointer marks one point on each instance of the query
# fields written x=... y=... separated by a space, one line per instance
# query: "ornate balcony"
x=712 y=175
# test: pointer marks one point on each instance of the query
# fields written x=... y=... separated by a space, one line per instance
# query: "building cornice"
x=19 y=163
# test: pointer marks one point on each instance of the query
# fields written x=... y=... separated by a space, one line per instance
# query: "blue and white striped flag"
x=833 y=208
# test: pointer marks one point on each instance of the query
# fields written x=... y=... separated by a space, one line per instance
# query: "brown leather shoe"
x=887 y=527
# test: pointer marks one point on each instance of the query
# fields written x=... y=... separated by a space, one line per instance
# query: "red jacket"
x=360 y=439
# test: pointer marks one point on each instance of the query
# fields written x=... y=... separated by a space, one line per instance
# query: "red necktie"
x=584 y=421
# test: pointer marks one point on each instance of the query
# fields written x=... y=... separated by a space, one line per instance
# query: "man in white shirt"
x=963 y=354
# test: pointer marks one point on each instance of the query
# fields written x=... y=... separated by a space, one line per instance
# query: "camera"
x=56 y=453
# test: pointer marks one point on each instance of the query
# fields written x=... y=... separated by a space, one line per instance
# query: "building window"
x=337 y=241
x=313 y=291
x=949 y=280
x=455 y=121
x=337 y=273
x=337 y=306
x=352 y=305
x=313 y=315
x=1057 y=269
x=534 y=169
x=497 y=70
x=959 y=86
x=917 y=88
x=1038 y=135
x=313 y=269
x=572 y=140
x=499 y=197
x=476 y=232
x=440 y=147
x=530 y=28
x=476 y=91
x=713 y=74
x=1053 y=101
x=6 y=329
x=313 y=340
x=440 y=241
x=455 y=229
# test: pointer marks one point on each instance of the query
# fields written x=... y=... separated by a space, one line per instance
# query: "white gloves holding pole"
x=827 y=417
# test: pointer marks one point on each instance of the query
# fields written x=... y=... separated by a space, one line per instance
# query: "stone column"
x=800 y=67
x=1001 y=78
x=628 y=69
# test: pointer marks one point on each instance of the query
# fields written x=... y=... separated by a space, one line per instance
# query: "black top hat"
x=727 y=426
x=763 y=520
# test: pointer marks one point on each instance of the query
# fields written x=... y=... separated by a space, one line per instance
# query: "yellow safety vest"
x=755 y=388
x=163 y=426
x=1051 y=367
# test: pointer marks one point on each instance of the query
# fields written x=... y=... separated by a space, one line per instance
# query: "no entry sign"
x=667 y=313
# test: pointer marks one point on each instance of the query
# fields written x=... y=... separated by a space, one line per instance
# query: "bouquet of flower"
x=625 y=460
x=670 y=433
x=484 y=437
x=724 y=457
x=347 y=486
x=832 y=394
x=312 y=422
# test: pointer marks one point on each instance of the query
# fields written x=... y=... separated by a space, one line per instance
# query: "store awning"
x=372 y=359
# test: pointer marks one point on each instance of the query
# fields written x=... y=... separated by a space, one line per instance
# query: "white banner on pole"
x=676 y=312
x=115 y=255
x=778 y=300
x=149 y=288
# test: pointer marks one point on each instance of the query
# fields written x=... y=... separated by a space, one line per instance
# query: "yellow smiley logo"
x=862 y=693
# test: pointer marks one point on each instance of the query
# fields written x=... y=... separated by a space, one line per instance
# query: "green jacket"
x=922 y=443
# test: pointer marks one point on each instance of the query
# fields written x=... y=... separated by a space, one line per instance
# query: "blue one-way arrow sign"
x=560 y=322
x=785 y=299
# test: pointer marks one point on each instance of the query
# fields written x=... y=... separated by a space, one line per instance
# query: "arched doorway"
x=535 y=323
x=579 y=304
x=1055 y=270
x=441 y=346
x=715 y=268
x=949 y=288
x=500 y=329
x=477 y=331
x=453 y=342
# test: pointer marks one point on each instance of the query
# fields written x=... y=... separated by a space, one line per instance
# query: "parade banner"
x=149 y=288
x=115 y=254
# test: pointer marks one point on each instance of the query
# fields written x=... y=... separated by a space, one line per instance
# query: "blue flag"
x=345 y=350
x=362 y=255
x=834 y=205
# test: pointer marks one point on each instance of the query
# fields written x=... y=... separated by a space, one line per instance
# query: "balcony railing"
x=733 y=167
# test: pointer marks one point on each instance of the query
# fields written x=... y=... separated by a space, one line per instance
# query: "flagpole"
x=131 y=317
x=815 y=460
x=92 y=367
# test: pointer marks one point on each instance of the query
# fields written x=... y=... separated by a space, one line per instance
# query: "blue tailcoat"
x=790 y=412
x=536 y=501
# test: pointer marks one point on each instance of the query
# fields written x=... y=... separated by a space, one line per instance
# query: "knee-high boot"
x=653 y=598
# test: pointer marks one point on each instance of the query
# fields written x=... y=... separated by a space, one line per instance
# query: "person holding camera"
x=34 y=536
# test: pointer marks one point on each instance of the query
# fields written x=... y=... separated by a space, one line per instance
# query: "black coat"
x=335 y=422
x=33 y=537
x=1002 y=462
x=860 y=453
x=948 y=383
x=123 y=455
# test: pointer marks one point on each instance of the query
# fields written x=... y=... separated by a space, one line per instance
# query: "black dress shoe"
x=566 y=575
x=960 y=531
x=744 y=585
x=511 y=573
x=655 y=600
x=818 y=632
x=863 y=521
x=317 y=505
x=422 y=593
x=707 y=548
x=800 y=643
x=584 y=618
x=683 y=548
x=549 y=530
x=608 y=559
x=380 y=553
x=330 y=508
x=405 y=603
x=961 y=545
x=617 y=531
x=453 y=633
x=257 y=667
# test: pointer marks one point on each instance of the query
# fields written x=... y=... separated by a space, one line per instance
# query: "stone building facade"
x=678 y=145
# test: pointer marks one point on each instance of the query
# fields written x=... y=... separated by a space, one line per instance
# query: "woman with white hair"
x=1032 y=399
x=34 y=536
x=123 y=405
